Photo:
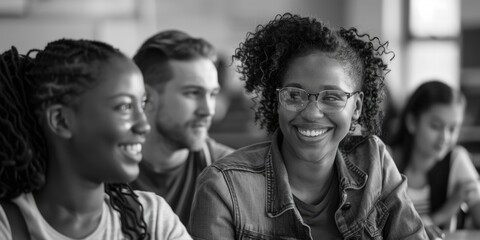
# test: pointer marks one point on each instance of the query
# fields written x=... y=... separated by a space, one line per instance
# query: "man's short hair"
x=153 y=56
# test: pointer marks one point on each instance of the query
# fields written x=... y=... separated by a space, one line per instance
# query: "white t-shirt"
x=161 y=220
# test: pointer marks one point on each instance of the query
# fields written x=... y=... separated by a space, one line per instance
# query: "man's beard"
x=182 y=139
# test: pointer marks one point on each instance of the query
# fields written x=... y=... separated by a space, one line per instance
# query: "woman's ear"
x=358 y=106
x=410 y=123
x=58 y=120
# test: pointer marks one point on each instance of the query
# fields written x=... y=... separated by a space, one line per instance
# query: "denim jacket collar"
x=279 y=194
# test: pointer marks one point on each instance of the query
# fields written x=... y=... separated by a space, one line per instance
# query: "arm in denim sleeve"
x=403 y=221
x=211 y=215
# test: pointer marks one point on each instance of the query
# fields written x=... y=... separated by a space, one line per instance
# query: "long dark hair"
x=427 y=95
x=28 y=85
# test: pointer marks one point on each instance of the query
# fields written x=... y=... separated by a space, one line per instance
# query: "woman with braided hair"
x=313 y=85
x=73 y=126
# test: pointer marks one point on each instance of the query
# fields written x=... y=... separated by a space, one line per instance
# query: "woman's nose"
x=141 y=125
x=312 y=110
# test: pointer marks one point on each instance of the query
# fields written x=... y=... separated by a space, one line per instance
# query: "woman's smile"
x=312 y=132
x=132 y=150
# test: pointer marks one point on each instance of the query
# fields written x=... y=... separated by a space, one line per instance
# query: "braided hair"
x=265 y=54
x=57 y=74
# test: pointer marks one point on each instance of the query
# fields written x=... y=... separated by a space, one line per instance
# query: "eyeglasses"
x=328 y=101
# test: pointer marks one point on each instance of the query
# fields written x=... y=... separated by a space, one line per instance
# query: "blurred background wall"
x=431 y=39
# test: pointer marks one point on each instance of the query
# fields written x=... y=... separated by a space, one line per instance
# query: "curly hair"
x=58 y=74
x=156 y=51
x=265 y=54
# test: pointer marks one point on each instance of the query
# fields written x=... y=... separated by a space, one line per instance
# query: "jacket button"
x=346 y=206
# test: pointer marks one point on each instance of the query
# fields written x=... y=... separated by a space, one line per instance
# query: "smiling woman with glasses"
x=312 y=84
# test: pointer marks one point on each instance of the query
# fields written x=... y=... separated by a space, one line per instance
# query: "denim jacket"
x=246 y=195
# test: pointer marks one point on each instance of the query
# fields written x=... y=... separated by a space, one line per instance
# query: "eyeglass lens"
x=296 y=99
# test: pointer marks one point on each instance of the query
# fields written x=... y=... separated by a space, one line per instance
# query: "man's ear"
x=152 y=96
x=58 y=120
x=358 y=106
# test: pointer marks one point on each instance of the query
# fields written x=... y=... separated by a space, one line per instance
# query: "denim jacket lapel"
x=279 y=194
x=349 y=175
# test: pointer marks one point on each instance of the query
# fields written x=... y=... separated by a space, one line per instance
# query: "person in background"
x=73 y=127
x=181 y=81
x=312 y=83
x=440 y=173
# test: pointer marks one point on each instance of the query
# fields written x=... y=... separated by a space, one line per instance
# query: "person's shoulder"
x=370 y=147
x=153 y=203
x=159 y=216
x=19 y=204
x=218 y=150
x=247 y=157
x=460 y=155
x=24 y=201
x=150 y=198
x=459 y=150
x=5 y=229
x=365 y=143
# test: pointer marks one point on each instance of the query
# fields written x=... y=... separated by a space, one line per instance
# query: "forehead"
x=118 y=75
x=445 y=113
x=198 y=72
x=317 y=71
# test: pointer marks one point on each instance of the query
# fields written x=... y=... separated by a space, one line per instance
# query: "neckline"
x=52 y=231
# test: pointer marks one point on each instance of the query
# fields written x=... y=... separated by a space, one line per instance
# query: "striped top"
x=420 y=198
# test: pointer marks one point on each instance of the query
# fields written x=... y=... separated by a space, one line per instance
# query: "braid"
x=59 y=73
x=123 y=199
x=22 y=147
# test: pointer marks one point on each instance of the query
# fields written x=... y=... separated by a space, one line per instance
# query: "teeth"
x=133 y=149
x=312 y=133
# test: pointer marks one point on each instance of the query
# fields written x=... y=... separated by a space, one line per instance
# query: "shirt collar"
x=279 y=194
